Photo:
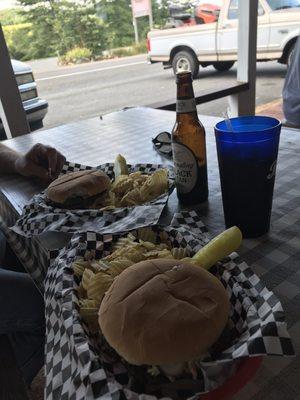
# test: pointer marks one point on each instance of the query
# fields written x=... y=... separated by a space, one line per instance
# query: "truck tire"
x=223 y=65
x=185 y=61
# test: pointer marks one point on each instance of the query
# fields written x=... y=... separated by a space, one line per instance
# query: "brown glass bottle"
x=188 y=146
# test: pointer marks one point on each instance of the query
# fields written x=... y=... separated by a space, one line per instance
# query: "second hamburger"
x=82 y=189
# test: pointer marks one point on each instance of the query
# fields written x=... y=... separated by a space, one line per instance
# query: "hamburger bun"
x=75 y=187
x=163 y=312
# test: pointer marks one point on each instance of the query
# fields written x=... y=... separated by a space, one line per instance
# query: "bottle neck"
x=186 y=104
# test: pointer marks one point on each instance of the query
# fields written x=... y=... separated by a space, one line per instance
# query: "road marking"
x=89 y=71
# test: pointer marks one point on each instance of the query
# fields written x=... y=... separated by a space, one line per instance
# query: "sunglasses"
x=162 y=144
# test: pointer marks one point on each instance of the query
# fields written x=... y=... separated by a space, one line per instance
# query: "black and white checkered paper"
x=40 y=216
x=80 y=368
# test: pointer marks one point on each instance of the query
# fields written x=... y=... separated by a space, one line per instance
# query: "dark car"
x=35 y=107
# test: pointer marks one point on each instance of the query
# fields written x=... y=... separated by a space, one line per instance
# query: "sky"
x=6 y=4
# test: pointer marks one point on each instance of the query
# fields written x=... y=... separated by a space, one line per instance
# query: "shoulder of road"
x=48 y=67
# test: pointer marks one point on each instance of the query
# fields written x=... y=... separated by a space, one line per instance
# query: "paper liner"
x=40 y=216
x=78 y=367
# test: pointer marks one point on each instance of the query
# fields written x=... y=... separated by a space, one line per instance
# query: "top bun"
x=82 y=184
x=163 y=312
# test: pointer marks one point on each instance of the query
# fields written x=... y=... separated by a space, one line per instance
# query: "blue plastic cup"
x=247 y=150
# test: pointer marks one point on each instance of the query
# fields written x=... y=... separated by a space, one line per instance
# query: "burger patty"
x=77 y=203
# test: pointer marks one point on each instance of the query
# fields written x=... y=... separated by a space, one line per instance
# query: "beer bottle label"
x=185 y=165
x=185 y=105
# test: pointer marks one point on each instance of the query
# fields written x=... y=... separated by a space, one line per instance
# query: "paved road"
x=79 y=92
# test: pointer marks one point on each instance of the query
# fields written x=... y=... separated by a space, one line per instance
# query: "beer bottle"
x=188 y=146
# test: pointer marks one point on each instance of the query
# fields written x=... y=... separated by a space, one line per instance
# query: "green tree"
x=118 y=17
x=10 y=16
x=60 y=25
x=78 y=25
x=53 y=27
x=160 y=12
x=42 y=17
x=18 y=40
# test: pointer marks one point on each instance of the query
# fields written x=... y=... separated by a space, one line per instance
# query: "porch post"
x=12 y=111
x=244 y=103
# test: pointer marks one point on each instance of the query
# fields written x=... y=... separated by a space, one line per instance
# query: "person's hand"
x=42 y=162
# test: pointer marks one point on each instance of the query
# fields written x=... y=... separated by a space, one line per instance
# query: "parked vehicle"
x=206 y=13
x=180 y=16
x=189 y=15
x=186 y=48
x=35 y=107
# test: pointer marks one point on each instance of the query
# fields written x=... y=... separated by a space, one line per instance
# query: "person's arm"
x=8 y=160
x=41 y=161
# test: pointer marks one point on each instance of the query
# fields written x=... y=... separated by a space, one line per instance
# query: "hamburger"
x=165 y=313
x=82 y=189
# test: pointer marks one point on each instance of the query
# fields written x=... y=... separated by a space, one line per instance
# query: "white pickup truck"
x=186 y=48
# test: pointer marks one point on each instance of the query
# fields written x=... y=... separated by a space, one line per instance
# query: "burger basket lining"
x=40 y=216
x=80 y=367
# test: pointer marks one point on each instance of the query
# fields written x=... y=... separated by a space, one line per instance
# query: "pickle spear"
x=219 y=247
x=120 y=167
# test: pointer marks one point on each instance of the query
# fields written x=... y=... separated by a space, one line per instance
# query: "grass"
x=78 y=55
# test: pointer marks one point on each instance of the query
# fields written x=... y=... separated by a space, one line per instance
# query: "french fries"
x=86 y=278
x=97 y=286
x=131 y=189
x=89 y=313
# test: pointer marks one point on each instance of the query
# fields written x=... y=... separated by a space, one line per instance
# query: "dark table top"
x=274 y=257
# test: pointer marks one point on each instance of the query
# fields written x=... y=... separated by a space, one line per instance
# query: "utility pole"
x=136 y=32
x=150 y=15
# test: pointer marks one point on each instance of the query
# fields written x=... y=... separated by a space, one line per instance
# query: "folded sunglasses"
x=162 y=144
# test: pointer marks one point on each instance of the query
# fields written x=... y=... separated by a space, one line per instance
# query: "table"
x=274 y=257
